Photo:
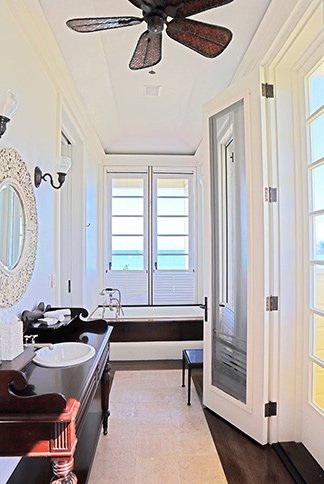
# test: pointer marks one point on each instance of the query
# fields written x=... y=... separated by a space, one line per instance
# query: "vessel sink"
x=64 y=354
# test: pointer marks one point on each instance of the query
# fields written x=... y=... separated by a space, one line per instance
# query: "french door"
x=150 y=245
x=312 y=92
x=235 y=369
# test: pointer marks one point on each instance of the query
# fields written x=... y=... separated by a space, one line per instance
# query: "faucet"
x=112 y=300
x=35 y=345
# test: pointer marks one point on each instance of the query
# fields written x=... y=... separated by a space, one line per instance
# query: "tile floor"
x=154 y=436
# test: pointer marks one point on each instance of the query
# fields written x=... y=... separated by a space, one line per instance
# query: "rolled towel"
x=58 y=313
x=31 y=315
x=49 y=321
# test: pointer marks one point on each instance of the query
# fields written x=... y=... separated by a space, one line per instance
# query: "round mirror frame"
x=13 y=283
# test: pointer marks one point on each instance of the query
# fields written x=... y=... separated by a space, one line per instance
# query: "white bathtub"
x=150 y=313
x=151 y=350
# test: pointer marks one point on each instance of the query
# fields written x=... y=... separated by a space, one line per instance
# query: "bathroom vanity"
x=52 y=417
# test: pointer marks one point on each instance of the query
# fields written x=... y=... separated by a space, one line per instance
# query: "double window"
x=150 y=225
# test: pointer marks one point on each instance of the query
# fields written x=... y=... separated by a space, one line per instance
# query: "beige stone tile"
x=154 y=419
x=123 y=394
x=154 y=437
x=154 y=395
x=189 y=422
x=157 y=470
x=121 y=426
x=113 y=470
x=195 y=443
x=183 y=409
x=114 y=447
x=156 y=445
x=202 y=469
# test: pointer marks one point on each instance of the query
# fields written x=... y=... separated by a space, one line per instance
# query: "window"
x=150 y=236
x=315 y=130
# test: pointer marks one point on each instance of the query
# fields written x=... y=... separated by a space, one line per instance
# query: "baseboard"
x=151 y=350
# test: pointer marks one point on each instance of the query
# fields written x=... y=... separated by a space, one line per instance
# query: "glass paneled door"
x=173 y=242
x=127 y=236
x=313 y=411
x=234 y=343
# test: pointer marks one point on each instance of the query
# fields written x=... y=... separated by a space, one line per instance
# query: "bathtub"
x=153 y=332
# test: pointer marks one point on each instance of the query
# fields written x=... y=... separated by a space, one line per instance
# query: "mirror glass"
x=12 y=226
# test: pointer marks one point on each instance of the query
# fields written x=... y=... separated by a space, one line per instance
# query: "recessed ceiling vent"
x=152 y=91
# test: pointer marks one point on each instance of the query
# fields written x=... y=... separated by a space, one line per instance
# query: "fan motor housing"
x=155 y=23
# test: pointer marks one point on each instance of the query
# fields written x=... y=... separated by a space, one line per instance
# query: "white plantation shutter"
x=173 y=287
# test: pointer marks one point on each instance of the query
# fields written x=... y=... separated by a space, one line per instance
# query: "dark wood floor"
x=244 y=461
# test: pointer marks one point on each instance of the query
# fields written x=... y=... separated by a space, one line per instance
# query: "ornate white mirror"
x=18 y=227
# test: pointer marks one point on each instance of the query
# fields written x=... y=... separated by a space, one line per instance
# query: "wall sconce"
x=62 y=168
x=8 y=105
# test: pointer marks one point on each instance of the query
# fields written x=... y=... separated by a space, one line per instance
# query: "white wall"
x=31 y=66
x=34 y=132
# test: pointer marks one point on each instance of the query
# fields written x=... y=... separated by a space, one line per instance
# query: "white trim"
x=296 y=44
x=151 y=350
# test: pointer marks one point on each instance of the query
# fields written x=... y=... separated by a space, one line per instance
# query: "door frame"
x=283 y=148
x=75 y=216
x=250 y=417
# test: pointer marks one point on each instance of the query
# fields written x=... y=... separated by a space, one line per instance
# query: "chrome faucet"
x=112 y=301
x=33 y=344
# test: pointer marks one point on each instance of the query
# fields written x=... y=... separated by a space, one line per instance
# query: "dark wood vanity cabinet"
x=52 y=417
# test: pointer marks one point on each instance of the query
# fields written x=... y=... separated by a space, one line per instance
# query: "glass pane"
x=127 y=206
x=318 y=386
x=127 y=187
x=170 y=226
x=172 y=187
x=317 y=139
x=316 y=89
x=172 y=262
x=127 y=263
x=129 y=245
x=319 y=237
x=172 y=206
x=173 y=245
x=318 y=347
x=229 y=255
x=319 y=287
x=127 y=225
x=318 y=184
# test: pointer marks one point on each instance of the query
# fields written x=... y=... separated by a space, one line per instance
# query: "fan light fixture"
x=8 y=106
x=62 y=168
x=205 y=39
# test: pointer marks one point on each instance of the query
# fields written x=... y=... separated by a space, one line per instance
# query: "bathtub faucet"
x=112 y=301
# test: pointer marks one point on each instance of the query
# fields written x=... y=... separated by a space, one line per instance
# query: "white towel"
x=58 y=313
x=49 y=321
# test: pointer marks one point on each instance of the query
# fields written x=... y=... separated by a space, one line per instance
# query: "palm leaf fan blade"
x=101 y=23
x=208 y=40
x=148 y=51
x=191 y=7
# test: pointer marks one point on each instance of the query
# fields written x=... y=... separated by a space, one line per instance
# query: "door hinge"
x=270 y=409
x=272 y=303
x=267 y=90
x=270 y=195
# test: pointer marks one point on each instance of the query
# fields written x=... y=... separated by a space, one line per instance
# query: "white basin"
x=64 y=354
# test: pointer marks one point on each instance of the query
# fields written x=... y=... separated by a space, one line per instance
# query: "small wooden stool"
x=193 y=359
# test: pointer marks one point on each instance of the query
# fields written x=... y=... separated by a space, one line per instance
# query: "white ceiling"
x=126 y=120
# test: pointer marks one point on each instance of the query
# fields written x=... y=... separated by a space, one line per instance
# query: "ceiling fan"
x=206 y=39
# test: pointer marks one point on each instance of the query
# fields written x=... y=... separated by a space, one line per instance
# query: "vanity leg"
x=105 y=388
x=62 y=470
